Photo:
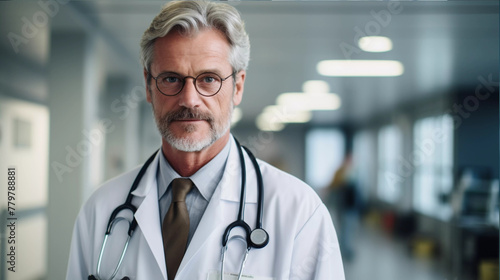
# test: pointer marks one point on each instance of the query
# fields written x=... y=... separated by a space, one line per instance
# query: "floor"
x=377 y=256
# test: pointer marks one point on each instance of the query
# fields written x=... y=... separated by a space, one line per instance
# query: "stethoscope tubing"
x=260 y=184
x=243 y=262
x=113 y=219
x=102 y=253
x=128 y=202
x=240 y=221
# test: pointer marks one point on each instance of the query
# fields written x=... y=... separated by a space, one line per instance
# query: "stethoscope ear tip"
x=259 y=238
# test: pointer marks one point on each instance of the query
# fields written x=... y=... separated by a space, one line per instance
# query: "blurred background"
x=389 y=110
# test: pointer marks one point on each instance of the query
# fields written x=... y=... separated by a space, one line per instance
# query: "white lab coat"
x=302 y=240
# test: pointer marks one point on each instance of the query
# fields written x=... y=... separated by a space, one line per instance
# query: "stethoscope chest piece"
x=259 y=238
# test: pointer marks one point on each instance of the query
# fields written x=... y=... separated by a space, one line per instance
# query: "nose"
x=189 y=96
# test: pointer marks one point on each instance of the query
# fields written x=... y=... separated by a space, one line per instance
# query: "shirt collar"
x=205 y=179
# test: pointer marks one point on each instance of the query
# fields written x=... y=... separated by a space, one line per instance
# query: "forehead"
x=207 y=48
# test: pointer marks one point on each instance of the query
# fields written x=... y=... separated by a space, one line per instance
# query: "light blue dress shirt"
x=205 y=180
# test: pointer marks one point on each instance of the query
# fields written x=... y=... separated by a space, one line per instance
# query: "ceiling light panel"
x=360 y=68
x=296 y=101
x=375 y=44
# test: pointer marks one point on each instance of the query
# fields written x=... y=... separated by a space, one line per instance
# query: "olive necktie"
x=175 y=227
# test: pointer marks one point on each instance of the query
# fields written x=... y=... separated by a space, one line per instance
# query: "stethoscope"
x=256 y=238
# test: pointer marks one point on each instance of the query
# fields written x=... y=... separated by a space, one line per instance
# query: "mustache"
x=186 y=114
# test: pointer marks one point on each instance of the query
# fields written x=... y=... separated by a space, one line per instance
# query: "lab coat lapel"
x=148 y=215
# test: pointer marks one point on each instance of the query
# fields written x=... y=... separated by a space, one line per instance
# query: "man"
x=194 y=56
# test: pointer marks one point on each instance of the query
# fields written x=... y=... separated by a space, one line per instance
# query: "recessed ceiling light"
x=375 y=44
x=315 y=86
x=267 y=122
x=263 y=125
x=360 y=68
x=274 y=117
x=286 y=114
x=281 y=114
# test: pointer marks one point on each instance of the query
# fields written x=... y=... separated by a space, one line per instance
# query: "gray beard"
x=186 y=144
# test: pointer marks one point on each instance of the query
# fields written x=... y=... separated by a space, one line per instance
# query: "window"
x=433 y=161
x=324 y=154
x=390 y=149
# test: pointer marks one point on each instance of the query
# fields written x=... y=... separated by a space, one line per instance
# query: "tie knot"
x=180 y=189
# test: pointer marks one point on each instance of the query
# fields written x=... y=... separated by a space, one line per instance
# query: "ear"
x=148 y=90
x=240 y=85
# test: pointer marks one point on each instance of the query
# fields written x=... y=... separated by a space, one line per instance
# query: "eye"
x=169 y=79
x=208 y=78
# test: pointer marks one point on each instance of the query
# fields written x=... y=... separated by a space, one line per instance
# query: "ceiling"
x=442 y=45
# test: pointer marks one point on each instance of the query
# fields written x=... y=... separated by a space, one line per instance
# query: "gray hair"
x=191 y=17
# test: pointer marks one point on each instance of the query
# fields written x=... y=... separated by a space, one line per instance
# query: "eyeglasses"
x=207 y=84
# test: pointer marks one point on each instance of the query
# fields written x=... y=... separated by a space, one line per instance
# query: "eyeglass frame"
x=194 y=82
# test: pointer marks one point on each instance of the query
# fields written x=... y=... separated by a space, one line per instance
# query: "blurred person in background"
x=344 y=201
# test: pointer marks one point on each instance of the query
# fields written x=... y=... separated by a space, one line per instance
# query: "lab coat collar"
x=149 y=179
x=230 y=182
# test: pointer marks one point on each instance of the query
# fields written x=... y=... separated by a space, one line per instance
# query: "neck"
x=187 y=163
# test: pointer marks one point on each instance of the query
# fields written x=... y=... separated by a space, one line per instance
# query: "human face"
x=188 y=121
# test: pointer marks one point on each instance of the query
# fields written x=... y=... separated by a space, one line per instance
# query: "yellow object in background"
x=424 y=248
x=488 y=270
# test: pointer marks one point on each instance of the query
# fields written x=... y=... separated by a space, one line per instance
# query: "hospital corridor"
x=387 y=110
